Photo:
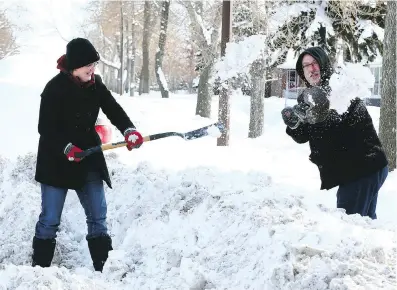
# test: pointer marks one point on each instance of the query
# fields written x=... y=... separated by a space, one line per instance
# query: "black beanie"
x=80 y=52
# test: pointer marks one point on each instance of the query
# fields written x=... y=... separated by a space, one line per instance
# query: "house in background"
x=289 y=83
x=376 y=69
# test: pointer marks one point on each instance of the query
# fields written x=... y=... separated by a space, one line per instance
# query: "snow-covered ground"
x=189 y=214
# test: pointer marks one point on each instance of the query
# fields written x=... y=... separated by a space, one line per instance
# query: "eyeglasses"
x=313 y=63
x=94 y=64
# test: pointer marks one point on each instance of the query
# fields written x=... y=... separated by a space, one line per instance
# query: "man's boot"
x=99 y=249
x=43 y=252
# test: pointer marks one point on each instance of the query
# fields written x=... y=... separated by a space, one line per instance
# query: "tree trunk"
x=121 y=74
x=119 y=88
x=161 y=81
x=145 y=78
x=106 y=78
x=204 y=97
x=127 y=84
x=208 y=50
x=140 y=88
x=387 y=122
x=191 y=66
x=268 y=89
x=133 y=77
x=224 y=97
x=133 y=53
x=122 y=48
x=257 y=99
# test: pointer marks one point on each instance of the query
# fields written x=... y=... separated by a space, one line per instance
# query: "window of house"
x=292 y=80
x=377 y=73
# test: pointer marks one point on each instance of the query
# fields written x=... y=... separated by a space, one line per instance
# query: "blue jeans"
x=361 y=196
x=92 y=198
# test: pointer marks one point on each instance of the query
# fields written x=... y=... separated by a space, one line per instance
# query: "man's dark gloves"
x=290 y=118
x=300 y=111
x=313 y=105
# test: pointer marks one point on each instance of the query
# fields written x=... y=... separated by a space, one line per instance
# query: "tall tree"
x=387 y=122
x=161 y=81
x=8 y=45
x=121 y=49
x=206 y=40
x=107 y=17
x=144 y=83
x=251 y=19
x=103 y=27
x=257 y=72
x=224 y=97
x=132 y=54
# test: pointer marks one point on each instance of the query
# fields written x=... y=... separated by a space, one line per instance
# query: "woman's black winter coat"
x=68 y=113
x=344 y=147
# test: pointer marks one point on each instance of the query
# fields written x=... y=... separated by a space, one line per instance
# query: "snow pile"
x=349 y=82
x=195 y=229
x=28 y=278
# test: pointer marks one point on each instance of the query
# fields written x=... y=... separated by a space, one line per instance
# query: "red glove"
x=70 y=150
x=133 y=138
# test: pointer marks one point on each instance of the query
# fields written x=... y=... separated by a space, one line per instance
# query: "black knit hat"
x=80 y=52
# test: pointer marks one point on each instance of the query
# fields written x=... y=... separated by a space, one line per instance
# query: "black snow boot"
x=99 y=249
x=43 y=252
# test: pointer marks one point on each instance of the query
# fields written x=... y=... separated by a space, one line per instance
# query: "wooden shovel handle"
x=120 y=144
x=201 y=132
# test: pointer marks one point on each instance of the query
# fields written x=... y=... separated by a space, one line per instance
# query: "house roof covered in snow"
x=290 y=61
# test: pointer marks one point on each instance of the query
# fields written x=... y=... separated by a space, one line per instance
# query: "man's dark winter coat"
x=344 y=147
x=67 y=115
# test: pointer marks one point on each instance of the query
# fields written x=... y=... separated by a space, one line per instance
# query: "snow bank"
x=195 y=229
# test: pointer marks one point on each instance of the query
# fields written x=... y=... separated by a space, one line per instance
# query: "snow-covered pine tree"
x=248 y=18
x=357 y=25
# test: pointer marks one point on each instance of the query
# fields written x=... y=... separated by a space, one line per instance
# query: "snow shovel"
x=191 y=135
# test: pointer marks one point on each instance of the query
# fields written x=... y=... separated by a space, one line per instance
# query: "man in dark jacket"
x=70 y=103
x=345 y=147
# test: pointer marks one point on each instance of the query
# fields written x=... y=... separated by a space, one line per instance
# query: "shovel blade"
x=204 y=131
